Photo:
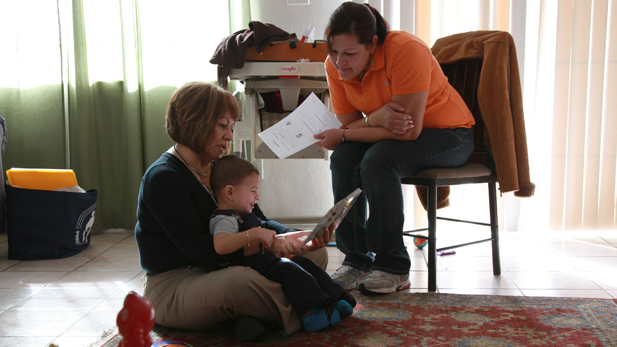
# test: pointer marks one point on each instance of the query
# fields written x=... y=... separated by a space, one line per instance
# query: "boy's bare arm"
x=225 y=243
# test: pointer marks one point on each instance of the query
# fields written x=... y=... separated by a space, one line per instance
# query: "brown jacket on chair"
x=501 y=104
x=500 y=100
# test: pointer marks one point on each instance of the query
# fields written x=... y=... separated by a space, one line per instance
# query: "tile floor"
x=71 y=301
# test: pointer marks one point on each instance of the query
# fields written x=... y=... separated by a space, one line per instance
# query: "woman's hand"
x=321 y=240
x=330 y=139
x=391 y=116
x=287 y=244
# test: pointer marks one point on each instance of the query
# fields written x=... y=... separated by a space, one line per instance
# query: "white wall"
x=295 y=18
x=295 y=189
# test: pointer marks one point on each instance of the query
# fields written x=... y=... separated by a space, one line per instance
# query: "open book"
x=335 y=215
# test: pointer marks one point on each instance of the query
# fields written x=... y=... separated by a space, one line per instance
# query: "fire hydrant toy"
x=135 y=321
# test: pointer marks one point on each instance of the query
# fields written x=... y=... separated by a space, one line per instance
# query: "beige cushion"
x=467 y=170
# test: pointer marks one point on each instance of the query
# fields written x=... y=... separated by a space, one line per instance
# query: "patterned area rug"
x=422 y=319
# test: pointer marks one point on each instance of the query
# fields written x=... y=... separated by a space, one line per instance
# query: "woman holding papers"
x=184 y=282
x=400 y=116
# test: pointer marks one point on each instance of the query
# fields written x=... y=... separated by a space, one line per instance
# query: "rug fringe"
x=105 y=337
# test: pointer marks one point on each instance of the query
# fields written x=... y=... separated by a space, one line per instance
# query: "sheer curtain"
x=84 y=84
x=567 y=56
x=569 y=93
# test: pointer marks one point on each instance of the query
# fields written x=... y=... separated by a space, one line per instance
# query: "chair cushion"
x=465 y=171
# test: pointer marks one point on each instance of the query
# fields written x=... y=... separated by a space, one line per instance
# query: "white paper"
x=295 y=132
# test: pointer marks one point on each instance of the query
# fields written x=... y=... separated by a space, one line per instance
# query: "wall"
x=295 y=18
x=295 y=189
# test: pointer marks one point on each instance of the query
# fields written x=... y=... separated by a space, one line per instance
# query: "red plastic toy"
x=135 y=321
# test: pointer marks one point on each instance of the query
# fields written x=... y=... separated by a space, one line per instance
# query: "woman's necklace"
x=189 y=165
x=197 y=174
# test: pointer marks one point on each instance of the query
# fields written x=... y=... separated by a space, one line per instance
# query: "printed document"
x=295 y=132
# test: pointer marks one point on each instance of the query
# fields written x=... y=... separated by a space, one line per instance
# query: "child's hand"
x=265 y=236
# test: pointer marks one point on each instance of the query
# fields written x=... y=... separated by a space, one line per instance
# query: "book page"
x=295 y=132
x=334 y=215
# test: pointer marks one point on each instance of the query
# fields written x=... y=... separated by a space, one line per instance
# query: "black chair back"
x=464 y=76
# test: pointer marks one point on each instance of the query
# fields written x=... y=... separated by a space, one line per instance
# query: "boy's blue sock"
x=321 y=318
x=344 y=308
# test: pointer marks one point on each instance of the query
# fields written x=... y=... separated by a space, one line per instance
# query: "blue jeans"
x=376 y=243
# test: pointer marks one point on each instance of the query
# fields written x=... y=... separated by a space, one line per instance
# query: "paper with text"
x=295 y=132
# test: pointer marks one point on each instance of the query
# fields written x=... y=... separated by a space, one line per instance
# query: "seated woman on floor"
x=184 y=282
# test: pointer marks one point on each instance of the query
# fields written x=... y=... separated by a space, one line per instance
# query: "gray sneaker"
x=379 y=282
x=348 y=277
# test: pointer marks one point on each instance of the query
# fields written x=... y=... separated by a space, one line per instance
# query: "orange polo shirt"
x=403 y=64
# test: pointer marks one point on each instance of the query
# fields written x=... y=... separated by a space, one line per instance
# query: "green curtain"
x=30 y=85
x=61 y=114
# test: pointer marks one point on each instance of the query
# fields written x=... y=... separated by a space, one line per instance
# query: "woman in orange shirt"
x=400 y=116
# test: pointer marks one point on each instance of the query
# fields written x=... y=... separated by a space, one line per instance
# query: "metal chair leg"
x=432 y=245
x=492 y=192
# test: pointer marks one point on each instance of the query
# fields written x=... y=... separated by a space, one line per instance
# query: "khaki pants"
x=192 y=298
